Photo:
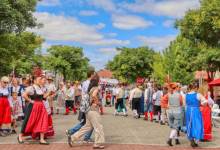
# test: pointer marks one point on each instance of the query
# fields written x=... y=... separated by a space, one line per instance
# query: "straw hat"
x=50 y=78
x=173 y=85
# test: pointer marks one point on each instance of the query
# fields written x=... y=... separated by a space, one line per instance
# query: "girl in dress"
x=16 y=110
x=5 y=109
x=36 y=118
x=16 y=88
x=60 y=97
x=194 y=121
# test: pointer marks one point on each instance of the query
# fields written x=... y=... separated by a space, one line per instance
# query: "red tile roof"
x=105 y=73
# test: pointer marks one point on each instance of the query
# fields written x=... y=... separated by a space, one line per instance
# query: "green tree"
x=159 y=72
x=180 y=60
x=202 y=28
x=68 y=60
x=17 y=15
x=18 y=52
x=131 y=63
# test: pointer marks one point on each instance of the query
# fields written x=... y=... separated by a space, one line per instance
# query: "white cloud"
x=157 y=43
x=171 y=8
x=100 y=26
x=108 y=51
x=112 y=34
x=88 y=13
x=49 y=2
x=168 y=23
x=107 y=5
x=61 y=28
x=129 y=22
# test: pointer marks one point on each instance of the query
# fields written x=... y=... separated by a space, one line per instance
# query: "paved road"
x=126 y=131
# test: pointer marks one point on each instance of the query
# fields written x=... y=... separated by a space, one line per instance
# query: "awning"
x=215 y=82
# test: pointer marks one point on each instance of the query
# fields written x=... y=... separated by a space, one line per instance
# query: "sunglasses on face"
x=5 y=82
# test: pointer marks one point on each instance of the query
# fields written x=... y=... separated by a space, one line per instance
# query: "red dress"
x=207 y=121
x=36 y=118
x=5 y=109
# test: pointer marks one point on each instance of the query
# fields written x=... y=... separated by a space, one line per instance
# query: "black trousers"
x=69 y=103
x=136 y=104
x=119 y=103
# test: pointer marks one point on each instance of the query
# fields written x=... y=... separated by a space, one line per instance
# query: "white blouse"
x=39 y=90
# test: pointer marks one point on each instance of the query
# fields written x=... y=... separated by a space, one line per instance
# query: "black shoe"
x=178 y=133
x=13 y=132
x=2 y=134
x=19 y=141
x=169 y=142
x=193 y=144
x=161 y=123
x=177 y=142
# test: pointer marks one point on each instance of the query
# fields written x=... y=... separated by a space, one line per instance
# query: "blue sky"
x=99 y=26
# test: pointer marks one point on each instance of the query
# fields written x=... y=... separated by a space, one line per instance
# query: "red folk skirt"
x=5 y=111
x=38 y=120
x=50 y=131
x=207 y=121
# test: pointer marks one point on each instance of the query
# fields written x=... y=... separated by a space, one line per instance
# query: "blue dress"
x=194 y=121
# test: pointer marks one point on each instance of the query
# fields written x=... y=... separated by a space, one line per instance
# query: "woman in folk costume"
x=16 y=88
x=60 y=97
x=5 y=109
x=206 y=110
x=194 y=121
x=175 y=102
x=148 y=95
x=50 y=131
x=36 y=117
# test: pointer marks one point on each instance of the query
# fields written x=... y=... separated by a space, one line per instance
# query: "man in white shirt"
x=69 y=98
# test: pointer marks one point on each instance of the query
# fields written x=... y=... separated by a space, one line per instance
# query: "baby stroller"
x=216 y=116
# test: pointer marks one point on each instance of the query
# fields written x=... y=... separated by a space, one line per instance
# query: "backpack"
x=85 y=103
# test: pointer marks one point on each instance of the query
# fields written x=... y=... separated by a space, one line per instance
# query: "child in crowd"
x=17 y=111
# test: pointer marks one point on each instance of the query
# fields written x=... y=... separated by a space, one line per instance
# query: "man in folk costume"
x=120 y=100
x=175 y=101
x=52 y=89
x=69 y=98
x=148 y=95
x=136 y=95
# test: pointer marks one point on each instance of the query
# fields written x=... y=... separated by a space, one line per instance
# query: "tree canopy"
x=17 y=15
x=18 y=51
x=197 y=47
x=68 y=60
x=131 y=63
